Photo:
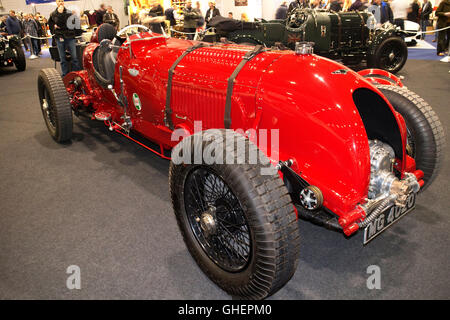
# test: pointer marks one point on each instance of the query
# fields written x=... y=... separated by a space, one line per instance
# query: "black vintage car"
x=347 y=36
x=11 y=52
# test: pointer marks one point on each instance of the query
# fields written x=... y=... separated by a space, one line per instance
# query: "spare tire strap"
x=248 y=56
x=168 y=110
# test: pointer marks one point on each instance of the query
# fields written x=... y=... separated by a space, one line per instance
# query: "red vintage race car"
x=259 y=137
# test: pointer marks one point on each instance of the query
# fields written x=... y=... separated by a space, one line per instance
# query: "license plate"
x=388 y=218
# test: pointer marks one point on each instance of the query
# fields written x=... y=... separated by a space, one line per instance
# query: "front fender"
x=379 y=37
x=320 y=127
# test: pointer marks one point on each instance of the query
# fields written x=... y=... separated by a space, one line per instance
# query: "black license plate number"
x=388 y=218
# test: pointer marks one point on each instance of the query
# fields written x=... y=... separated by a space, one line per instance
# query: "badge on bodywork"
x=137 y=102
x=323 y=31
x=133 y=72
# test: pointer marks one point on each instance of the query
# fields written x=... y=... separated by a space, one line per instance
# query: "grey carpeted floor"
x=102 y=203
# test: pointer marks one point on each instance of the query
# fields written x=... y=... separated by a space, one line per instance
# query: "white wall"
x=253 y=10
x=270 y=8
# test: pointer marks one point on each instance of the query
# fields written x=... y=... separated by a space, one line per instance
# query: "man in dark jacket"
x=111 y=18
x=99 y=14
x=170 y=15
x=443 y=14
x=281 y=13
x=386 y=14
x=427 y=9
x=190 y=19
x=413 y=14
x=65 y=32
x=13 y=25
x=211 y=12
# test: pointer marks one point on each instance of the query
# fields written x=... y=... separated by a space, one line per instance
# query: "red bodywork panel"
x=320 y=128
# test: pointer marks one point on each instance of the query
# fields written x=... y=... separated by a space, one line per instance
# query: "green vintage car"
x=11 y=52
x=347 y=36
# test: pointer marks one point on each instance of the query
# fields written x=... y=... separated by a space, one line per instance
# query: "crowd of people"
x=33 y=29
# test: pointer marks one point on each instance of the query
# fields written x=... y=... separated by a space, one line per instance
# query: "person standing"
x=99 y=14
x=64 y=37
x=111 y=18
x=427 y=9
x=13 y=25
x=443 y=14
x=211 y=12
x=156 y=10
x=413 y=14
x=170 y=15
x=31 y=31
x=190 y=20
x=282 y=10
x=41 y=33
x=201 y=20
x=400 y=12
x=385 y=11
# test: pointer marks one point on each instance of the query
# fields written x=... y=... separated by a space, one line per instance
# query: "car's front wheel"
x=239 y=225
x=55 y=105
x=19 y=59
x=390 y=55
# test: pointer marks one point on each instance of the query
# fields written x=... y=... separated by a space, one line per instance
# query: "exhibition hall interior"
x=224 y=150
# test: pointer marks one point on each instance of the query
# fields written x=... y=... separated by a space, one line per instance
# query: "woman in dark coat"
x=414 y=15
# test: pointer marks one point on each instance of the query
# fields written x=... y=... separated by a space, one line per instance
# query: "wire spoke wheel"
x=55 y=105
x=217 y=219
x=239 y=225
x=391 y=56
x=48 y=110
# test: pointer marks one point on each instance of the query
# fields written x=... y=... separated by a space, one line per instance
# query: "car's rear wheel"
x=426 y=140
x=19 y=60
x=239 y=226
x=55 y=105
x=390 y=55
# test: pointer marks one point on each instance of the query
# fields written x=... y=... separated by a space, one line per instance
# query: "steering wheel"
x=122 y=31
x=118 y=38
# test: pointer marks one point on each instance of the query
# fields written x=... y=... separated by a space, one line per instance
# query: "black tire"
x=264 y=205
x=19 y=60
x=382 y=58
x=426 y=139
x=55 y=105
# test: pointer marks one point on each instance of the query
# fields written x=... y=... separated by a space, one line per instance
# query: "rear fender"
x=379 y=76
